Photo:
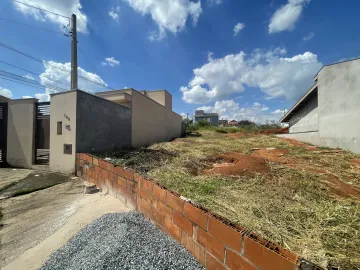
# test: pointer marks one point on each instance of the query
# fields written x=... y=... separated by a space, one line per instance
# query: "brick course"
x=212 y=242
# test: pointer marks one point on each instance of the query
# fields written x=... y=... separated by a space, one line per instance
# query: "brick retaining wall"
x=212 y=242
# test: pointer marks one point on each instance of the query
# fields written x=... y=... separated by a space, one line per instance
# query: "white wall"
x=20 y=133
x=63 y=108
x=339 y=105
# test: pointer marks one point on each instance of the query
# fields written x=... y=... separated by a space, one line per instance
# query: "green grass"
x=290 y=206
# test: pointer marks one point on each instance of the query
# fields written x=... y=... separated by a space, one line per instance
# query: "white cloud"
x=114 y=13
x=110 y=61
x=169 y=15
x=231 y=110
x=29 y=76
x=238 y=27
x=215 y=2
x=5 y=92
x=65 y=8
x=59 y=72
x=285 y=18
x=309 y=36
x=275 y=75
x=27 y=97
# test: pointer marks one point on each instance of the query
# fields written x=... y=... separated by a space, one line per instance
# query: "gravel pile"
x=121 y=241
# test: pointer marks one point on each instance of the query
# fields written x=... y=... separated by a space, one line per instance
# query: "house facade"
x=77 y=121
x=211 y=118
x=329 y=113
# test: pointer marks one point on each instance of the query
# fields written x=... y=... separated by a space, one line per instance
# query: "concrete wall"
x=162 y=97
x=63 y=108
x=339 y=109
x=101 y=124
x=20 y=132
x=307 y=118
x=152 y=122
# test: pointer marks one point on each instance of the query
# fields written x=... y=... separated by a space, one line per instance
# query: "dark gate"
x=3 y=132
x=42 y=133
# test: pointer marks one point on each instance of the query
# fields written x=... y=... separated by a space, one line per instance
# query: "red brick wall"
x=213 y=243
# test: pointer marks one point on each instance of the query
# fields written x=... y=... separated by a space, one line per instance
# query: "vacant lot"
x=304 y=198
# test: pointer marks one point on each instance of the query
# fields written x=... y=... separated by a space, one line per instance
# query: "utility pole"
x=74 y=65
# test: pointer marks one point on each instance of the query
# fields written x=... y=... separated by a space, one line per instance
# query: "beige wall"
x=152 y=122
x=20 y=132
x=162 y=97
x=63 y=108
x=4 y=99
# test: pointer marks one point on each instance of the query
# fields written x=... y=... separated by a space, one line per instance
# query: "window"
x=209 y=120
x=59 y=128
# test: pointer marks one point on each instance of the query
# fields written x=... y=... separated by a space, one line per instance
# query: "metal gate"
x=42 y=133
x=3 y=132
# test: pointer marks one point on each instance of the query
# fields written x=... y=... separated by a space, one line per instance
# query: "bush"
x=203 y=123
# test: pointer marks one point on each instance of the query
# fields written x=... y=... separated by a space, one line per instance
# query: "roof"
x=206 y=114
x=348 y=60
x=309 y=95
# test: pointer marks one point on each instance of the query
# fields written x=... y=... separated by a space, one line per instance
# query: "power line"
x=28 y=25
x=48 y=63
x=5 y=78
x=44 y=10
x=16 y=77
x=31 y=72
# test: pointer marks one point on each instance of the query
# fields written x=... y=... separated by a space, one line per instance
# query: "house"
x=223 y=123
x=329 y=113
x=211 y=118
x=79 y=122
x=233 y=123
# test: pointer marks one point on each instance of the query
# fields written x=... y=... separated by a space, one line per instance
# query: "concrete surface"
x=102 y=125
x=9 y=176
x=36 y=180
x=339 y=110
x=37 y=224
x=20 y=132
x=307 y=118
x=63 y=109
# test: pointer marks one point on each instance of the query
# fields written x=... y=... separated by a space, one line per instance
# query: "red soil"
x=341 y=188
x=274 y=155
x=275 y=131
x=233 y=164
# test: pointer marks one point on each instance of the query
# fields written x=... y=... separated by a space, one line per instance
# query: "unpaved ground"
x=36 y=224
x=10 y=176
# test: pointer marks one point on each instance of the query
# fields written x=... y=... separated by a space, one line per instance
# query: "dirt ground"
x=36 y=224
x=300 y=196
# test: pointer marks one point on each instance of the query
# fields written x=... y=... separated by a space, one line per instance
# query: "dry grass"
x=290 y=205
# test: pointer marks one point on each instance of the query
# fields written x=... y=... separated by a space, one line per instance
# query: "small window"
x=209 y=120
x=59 y=128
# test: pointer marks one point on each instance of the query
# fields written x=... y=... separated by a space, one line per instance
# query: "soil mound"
x=234 y=164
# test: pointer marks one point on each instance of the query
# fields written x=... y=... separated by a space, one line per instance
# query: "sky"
x=243 y=59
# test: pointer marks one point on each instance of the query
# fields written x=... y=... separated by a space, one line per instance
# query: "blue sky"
x=243 y=59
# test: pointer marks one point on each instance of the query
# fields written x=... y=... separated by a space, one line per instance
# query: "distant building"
x=211 y=118
x=329 y=113
x=233 y=123
x=223 y=123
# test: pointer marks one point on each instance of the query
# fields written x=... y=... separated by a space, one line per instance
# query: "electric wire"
x=48 y=63
x=44 y=10
x=31 y=72
x=33 y=26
